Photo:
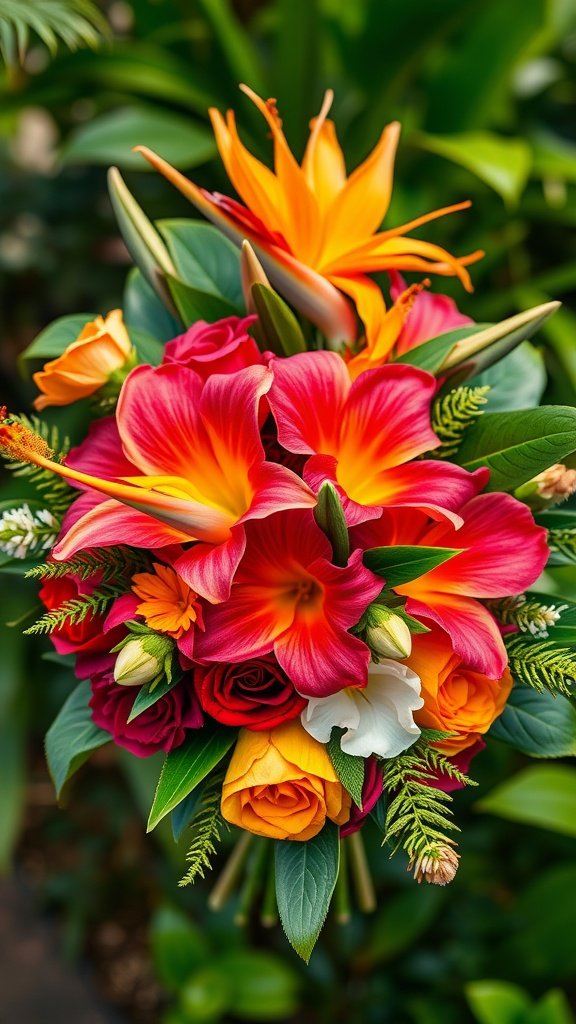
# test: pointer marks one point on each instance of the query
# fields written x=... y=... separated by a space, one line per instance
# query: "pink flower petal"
x=209 y=569
x=473 y=631
x=307 y=398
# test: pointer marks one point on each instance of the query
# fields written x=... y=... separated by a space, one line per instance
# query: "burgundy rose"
x=221 y=347
x=256 y=694
x=371 y=792
x=163 y=726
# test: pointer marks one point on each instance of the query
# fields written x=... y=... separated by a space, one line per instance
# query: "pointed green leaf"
x=204 y=259
x=543 y=795
x=516 y=446
x=400 y=563
x=145 y=313
x=497 y=1002
x=72 y=737
x=329 y=515
x=280 y=328
x=537 y=724
x=349 y=769
x=306 y=874
x=193 y=304
x=146 y=697
x=52 y=341
x=501 y=162
x=186 y=766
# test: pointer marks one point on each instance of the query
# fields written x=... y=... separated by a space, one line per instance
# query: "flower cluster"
x=268 y=553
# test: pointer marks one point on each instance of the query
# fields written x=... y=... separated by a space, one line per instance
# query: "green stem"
x=252 y=882
x=231 y=872
x=342 y=891
x=361 y=874
x=269 y=914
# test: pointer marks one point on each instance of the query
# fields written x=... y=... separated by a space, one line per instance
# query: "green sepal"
x=329 y=516
x=279 y=328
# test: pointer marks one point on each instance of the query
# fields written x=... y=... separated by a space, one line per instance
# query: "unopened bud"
x=549 y=488
x=387 y=634
x=251 y=272
x=143 y=660
x=437 y=865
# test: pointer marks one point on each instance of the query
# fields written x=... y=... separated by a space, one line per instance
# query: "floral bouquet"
x=294 y=547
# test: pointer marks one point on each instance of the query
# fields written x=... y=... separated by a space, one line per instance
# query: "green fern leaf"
x=205 y=825
x=112 y=564
x=453 y=413
x=542 y=664
x=77 y=609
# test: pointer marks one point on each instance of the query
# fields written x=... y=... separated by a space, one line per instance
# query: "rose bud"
x=387 y=634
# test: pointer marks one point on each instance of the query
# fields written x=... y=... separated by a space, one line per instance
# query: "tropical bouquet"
x=293 y=543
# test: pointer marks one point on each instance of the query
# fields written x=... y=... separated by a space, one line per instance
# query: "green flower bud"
x=386 y=633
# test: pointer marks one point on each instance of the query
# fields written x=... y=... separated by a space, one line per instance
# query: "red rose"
x=222 y=347
x=371 y=791
x=87 y=635
x=162 y=726
x=256 y=694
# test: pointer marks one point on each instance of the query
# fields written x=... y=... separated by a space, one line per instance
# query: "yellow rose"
x=457 y=699
x=281 y=784
x=101 y=348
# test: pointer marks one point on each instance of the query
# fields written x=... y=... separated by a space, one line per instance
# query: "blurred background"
x=486 y=92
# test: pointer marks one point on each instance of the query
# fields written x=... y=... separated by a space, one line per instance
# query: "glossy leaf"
x=497 y=1002
x=399 y=563
x=276 y=322
x=306 y=874
x=501 y=162
x=537 y=724
x=516 y=446
x=52 y=341
x=186 y=766
x=146 y=313
x=204 y=259
x=146 y=697
x=516 y=382
x=193 y=304
x=72 y=737
x=543 y=795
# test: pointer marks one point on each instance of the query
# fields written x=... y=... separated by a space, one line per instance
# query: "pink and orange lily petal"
x=314 y=228
x=288 y=598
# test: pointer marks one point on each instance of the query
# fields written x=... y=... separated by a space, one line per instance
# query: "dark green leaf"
x=501 y=162
x=264 y=987
x=183 y=813
x=146 y=315
x=178 y=947
x=403 y=918
x=349 y=769
x=193 y=305
x=72 y=737
x=277 y=324
x=52 y=341
x=146 y=697
x=186 y=766
x=518 y=445
x=401 y=563
x=306 y=874
x=516 y=382
x=204 y=259
x=537 y=724
x=111 y=138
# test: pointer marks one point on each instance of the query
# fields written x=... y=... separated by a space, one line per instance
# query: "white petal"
x=322 y=713
x=386 y=725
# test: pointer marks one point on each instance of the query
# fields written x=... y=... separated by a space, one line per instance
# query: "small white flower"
x=23 y=532
x=378 y=719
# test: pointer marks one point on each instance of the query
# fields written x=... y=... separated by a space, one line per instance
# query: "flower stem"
x=363 y=883
x=251 y=882
x=342 y=891
x=269 y=913
x=226 y=882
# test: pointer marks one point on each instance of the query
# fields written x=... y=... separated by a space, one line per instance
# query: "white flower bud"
x=135 y=666
x=387 y=633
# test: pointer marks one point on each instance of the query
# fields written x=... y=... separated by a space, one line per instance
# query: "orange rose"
x=456 y=698
x=281 y=784
x=101 y=348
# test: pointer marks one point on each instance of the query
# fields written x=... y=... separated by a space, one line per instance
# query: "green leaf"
x=554 y=157
x=537 y=724
x=349 y=769
x=497 y=1002
x=518 y=445
x=562 y=537
x=204 y=259
x=329 y=516
x=276 y=322
x=146 y=697
x=75 y=23
x=544 y=917
x=148 y=348
x=298 y=30
x=186 y=766
x=306 y=874
x=179 y=947
x=430 y=355
x=264 y=988
x=146 y=315
x=403 y=918
x=516 y=382
x=52 y=341
x=401 y=563
x=193 y=304
x=242 y=57
x=543 y=795
x=72 y=737
x=553 y=1008
x=183 y=813
x=111 y=137
x=502 y=163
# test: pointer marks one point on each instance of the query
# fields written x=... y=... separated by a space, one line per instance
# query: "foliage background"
x=486 y=91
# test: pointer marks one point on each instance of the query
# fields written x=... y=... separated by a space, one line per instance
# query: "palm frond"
x=75 y=23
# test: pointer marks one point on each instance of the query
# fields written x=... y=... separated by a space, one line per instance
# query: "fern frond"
x=75 y=23
x=74 y=611
x=205 y=826
x=113 y=564
x=542 y=664
x=563 y=541
x=527 y=613
x=453 y=413
x=54 y=492
x=417 y=818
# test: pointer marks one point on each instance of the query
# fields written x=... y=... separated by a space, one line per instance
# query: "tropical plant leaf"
x=75 y=23
x=306 y=875
x=186 y=766
x=72 y=737
x=543 y=795
x=537 y=724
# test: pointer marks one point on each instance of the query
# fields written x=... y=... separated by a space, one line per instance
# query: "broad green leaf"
x=516 y=382
x=183 y=813
x=52 y=341
x=402 y=919
x=349 y=769
x=537 y=724
x=204 y=259
x=72 y=737
x=545 y=919
x=554 y=157
x=501 y=162
x=179 y=947
x=516 y=446
x=306 y=874
x=553 y=1008
x=264 y=988
x=193 y=305
x=111 y=138
x=543 y=795
x=242 y=57
x=497 y=1002
x=146 y=314
x=298 y=30
x=401 y=563
x=149 y=349
x=329 y=515
x=276 y=322
x=186 y=766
